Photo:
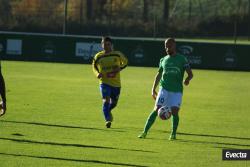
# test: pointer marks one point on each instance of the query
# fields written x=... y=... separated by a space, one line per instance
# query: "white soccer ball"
x=164 y=113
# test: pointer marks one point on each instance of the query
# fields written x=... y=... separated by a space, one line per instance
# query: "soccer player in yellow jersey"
x=107 y=65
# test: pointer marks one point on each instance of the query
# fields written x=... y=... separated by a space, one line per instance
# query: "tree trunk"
x=248 y=20
x=5 y=11
x=145 y=10
x=89 y=9
x=190 y=10
x=81 y=12
x=166 y=10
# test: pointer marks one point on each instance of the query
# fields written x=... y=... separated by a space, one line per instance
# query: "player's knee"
x=156 y=108
x=175 y=110
x=106 y=100
x=113 y=105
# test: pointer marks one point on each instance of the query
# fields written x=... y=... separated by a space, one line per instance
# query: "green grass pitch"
x=54 y=118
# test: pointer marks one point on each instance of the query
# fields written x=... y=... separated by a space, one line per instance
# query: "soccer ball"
x=164 y=113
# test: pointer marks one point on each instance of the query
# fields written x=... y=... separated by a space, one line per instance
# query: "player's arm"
x=157 y=80
x=95 y=68
x=123 y=65
x=189 y=74
x=124 y=61
x=156 y=83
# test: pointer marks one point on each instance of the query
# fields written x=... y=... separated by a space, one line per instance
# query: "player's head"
x=107 y=44
x=170 y=46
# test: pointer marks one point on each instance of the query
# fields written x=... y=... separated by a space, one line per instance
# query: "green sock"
x=175 y=122
x=150 y=121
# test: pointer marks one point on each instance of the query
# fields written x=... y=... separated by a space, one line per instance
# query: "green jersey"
x=172 y=69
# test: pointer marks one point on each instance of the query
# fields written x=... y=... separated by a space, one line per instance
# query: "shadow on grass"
x=73 y=160
x=211 y=142
x=191 y=134
x=206 y=142
x=205 y=135
x=69 y=145
x=229 y=148
x=62 y=126
x=17 y=134
x=217 y=136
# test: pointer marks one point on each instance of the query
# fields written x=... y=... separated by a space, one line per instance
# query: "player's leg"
x=175 y=122
x=106 y=111
x=106 y=91
x=150 y=121
x=115 y=93
x=160 y=101
x=175 y=103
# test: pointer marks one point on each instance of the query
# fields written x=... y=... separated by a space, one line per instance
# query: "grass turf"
x=54 y=118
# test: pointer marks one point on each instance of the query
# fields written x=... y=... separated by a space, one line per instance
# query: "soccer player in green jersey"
x=107 y=65
x=170 y=76
x=2 y=93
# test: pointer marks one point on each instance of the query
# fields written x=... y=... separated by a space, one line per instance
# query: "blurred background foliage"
x=132 y=18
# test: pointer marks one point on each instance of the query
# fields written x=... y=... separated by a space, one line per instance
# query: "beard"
x=169 y=52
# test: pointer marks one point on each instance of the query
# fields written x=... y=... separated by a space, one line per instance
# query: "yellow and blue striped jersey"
x=109 y=65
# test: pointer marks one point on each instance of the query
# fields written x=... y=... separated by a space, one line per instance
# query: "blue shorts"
x=110 y=91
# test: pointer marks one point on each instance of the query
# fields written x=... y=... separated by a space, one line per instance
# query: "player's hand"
x=186 y=82
x=2 y=108
x=111 y=74
x=154 y=94
x=99 y=75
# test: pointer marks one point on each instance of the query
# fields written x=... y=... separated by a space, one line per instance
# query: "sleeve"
x=124 y=61
x=94 y=66
x=160 y=66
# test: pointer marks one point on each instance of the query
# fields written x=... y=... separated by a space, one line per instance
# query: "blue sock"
x=106 y=111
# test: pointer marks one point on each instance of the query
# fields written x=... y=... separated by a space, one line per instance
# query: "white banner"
x=87 y=50
x=14 y=47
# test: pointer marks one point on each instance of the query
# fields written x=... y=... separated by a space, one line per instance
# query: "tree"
x=166 y=10
x=145 y=10
x=5 y=11
x=89 y=9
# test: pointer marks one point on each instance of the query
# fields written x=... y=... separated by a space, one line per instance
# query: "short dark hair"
x=106 y=38
x=170 y=39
